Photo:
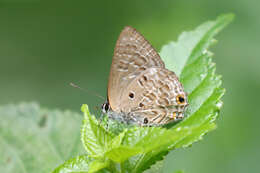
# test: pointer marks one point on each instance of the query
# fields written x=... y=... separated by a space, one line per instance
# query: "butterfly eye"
x=180 y=99
x=105 y=107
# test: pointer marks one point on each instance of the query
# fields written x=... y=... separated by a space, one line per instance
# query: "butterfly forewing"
x=133 y=55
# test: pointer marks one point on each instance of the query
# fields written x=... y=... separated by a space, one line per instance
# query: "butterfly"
x=140 y=89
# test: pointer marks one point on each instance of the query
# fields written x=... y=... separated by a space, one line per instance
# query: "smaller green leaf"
x=97 y=165
x=117 y=141
x=94 y=137
x=79 y=164
x=148 y=161
x=122 y=153
x=143 y=140
x=155 y=168
x=82 y=164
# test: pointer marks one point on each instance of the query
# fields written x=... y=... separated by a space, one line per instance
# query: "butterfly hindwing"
x=153 y=95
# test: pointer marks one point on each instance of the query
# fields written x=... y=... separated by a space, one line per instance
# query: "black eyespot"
x=141 y=104
x=180 y=99
x=131 y=95
x=145 y=120
x=145 y=78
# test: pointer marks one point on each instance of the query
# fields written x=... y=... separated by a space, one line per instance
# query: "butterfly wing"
x=133 y=54
x=155 y=95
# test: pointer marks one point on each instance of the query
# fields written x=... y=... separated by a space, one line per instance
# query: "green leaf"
x=190 y=58
x=33 y=139
x=190 y=45
x=94 y=137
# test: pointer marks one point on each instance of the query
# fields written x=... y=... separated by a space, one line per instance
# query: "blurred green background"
x=45 y=45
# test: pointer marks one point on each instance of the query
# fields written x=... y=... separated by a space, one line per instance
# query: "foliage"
x=33 y=139
x=135 y=149
x=53 y=138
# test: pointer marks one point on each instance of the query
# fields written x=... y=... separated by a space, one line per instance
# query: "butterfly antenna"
x=85 y=90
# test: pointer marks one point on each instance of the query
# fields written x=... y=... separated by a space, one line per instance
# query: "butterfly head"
x=105 y=107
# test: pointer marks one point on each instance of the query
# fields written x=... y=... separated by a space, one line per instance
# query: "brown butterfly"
x=140 y=89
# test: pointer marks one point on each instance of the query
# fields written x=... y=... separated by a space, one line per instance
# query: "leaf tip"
x=84 y=108
x=227 y=18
